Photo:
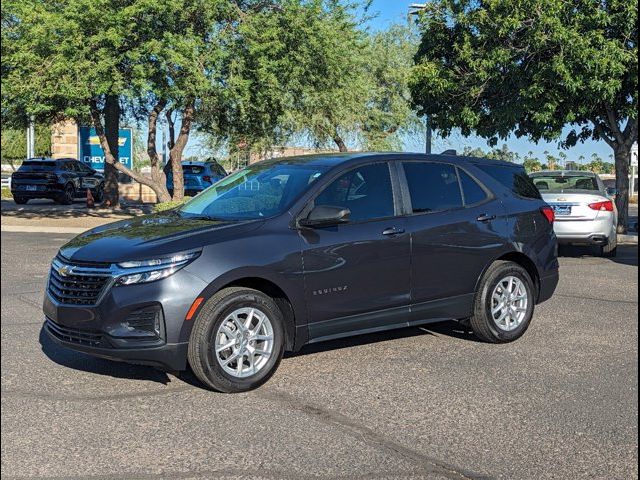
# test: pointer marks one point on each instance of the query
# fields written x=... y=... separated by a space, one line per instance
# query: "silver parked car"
x=585 y=211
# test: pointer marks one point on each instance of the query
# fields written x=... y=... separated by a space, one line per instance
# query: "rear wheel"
x=67 y=196
x=504 y=303
x=611 y=249
x=237 y=341
x=20 y=200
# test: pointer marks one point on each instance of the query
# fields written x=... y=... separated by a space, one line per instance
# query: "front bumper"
x=86 y=328
x=169 y=356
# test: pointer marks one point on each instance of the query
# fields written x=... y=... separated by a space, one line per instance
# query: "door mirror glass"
x=325 y=216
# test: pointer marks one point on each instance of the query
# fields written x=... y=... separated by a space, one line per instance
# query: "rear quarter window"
x=514 y=178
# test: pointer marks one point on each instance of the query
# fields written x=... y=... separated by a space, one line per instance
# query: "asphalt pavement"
x=417 y=403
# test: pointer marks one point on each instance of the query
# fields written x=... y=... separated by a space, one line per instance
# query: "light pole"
x=415 y=9
x=31 y=138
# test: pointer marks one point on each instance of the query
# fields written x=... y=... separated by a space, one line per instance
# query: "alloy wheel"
x=244 y=342
x=509 y=303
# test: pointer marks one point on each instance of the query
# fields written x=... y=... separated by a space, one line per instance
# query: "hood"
x=150 y=236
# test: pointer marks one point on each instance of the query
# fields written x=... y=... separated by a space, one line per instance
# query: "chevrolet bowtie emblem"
x=65 y=271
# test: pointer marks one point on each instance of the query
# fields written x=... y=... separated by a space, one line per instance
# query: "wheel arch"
x=525 y=262
x=284 y=298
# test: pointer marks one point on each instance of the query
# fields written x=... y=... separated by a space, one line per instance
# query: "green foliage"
x=530 y=68
x=14 y=143
x=6 y=193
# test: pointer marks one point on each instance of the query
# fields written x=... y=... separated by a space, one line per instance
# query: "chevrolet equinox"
x=301 y=250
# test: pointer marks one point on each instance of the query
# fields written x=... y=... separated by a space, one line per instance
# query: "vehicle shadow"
x=627 y=254
x=450 y=329
x=86 y=363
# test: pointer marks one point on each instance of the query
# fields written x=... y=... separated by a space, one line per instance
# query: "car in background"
x=198 y=176
x=61 y=180
x=585 y=211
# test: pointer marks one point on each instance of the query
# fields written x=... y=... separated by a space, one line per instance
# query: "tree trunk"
x=112 y=131
x=175 y=154
x=340 y=143
x=154 y=184
x=159 y=185
x=622 y=155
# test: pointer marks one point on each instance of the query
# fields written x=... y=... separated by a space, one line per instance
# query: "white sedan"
x=585 y=211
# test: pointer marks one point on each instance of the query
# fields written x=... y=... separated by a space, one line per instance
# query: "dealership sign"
x=91 y=152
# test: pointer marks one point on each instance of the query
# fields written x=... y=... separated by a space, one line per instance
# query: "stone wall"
x=64 y=140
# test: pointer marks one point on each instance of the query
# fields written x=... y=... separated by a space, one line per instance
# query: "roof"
x=564 y=173
x=330 y=160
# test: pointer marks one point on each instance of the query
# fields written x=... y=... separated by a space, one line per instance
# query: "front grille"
x=74 y=335
x=74 y=284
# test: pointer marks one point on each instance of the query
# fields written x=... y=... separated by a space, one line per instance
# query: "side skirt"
x=452 y=308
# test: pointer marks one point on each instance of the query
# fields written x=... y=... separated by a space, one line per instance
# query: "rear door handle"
x=486 y=218
x=392 y=232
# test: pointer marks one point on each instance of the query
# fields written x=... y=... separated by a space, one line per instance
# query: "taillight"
x=549 y=214
x=606 y=206
x=207 y=178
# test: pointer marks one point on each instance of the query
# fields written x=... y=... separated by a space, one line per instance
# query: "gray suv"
x=301 y=250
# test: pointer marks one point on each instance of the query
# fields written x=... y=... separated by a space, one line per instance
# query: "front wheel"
x=20 y=200
x=237 y=341
x=504 y=303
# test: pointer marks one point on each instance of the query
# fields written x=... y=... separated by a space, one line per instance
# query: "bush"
x=164 y=206
x=6 y=193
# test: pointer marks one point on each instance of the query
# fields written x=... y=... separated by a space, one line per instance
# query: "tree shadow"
x=87 y=363
x=36 y=209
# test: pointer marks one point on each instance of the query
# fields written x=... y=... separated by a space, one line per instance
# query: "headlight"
x=144 y=271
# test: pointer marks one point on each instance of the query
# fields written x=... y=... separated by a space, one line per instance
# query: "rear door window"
x=365 y=191
x=433 y=186
x=514 y=178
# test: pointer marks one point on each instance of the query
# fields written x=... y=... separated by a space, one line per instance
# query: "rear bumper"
x=548 y=286
x=585 y=232
x=169 y=356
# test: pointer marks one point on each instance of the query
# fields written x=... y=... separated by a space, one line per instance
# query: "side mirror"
x=326 y=216
x=612 y=192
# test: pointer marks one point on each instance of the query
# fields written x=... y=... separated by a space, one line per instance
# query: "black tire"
x=610 y=250
x=20 y=200
x=98 y=196
x=67 y=197
x=482 y=322
x=201 y=352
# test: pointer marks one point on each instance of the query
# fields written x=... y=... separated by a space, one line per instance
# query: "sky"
x=390 y=11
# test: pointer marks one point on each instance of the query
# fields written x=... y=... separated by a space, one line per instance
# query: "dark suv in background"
x=61 y=180
x=300 y=250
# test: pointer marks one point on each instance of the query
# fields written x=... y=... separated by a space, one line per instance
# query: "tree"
x=531 y=68
x=71 y=59
x=387 y=112
x=99 y=60
x=14 y=144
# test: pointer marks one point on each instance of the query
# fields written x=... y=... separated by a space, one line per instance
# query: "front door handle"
x=486 y=218
x=392 y=232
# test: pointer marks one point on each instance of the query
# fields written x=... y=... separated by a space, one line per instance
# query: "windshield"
x=258 y=191
x=559 y=184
